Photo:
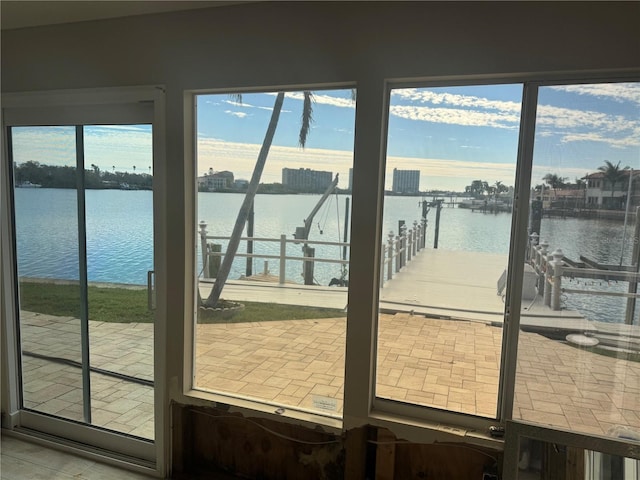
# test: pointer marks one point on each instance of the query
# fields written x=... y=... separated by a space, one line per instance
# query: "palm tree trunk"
x=234 y=242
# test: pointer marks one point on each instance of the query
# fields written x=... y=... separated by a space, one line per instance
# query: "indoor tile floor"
x=21 y=460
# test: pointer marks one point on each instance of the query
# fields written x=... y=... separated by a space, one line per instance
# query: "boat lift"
x=302 y=233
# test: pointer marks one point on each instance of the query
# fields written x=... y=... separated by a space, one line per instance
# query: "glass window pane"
x=578 y=354
x=46 y=222
x=119 y=218
x=447 y=217
x=276 y=331
x=539 y=460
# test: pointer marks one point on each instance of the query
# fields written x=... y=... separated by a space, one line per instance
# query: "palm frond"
x=307 y=118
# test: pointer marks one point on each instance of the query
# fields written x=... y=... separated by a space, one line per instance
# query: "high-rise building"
x=406 y=181
x=305 y=179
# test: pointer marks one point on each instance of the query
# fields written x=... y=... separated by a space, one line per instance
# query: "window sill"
x=250 y=407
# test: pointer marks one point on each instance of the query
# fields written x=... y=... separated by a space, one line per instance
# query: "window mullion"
x=513 y=298
x=368 y=183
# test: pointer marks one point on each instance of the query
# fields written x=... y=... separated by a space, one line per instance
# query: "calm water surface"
x=120 y=235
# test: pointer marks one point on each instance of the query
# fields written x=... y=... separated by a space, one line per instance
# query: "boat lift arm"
x=302 y=233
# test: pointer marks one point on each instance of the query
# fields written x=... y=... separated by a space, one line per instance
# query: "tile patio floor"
x=56 y=387
x=300 y=363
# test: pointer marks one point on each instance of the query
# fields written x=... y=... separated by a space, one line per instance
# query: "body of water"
x=120 y=236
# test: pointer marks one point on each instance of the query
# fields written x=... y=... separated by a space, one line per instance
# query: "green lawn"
x=123 y=305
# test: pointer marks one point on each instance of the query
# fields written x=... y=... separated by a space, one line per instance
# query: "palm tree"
x=554 y=181
x=613 y=174
x=243 y=214
x=500 y=188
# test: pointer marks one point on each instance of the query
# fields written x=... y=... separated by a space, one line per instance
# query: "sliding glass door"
x=82 y=207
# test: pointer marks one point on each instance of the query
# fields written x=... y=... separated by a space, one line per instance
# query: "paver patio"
x=300 y=363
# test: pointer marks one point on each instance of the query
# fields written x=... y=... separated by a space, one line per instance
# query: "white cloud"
x=456 y=116
x=236 y=114
x=619 y=92
x=455 y=100
x=574 y=125
x=323 y=99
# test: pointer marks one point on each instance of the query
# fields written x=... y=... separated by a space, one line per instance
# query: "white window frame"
x=361 y=407
x=77 y=107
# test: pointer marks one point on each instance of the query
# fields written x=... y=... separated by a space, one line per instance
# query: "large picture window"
x=578 y=354
x=273 y=206
x=476 y=177
x=449 y=192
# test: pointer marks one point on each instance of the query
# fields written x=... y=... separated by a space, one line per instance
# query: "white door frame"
x=77 y=107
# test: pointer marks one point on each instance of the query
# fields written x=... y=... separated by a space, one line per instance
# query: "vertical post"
x=416 y=238
x=409 y=244
x=203 y=248
x=557 y=279
x=390 y=256
x=283 y=261
x=542 y=255
x=307 y=268
x=383 y=251
x=82 y=275
x=266 y=268
x=547 y=278
x=403 y=246
x=437 y=232
x=398 y=256
x=346 y=228
x=533 y=242
x=635 y=262
x=424 y=232
x=250 y=221
x=213 y=260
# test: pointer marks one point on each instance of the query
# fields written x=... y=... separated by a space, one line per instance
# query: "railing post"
x=547 y=278
x=533 y=241
x=540 y=258
x=390 y=256
x=409 y=245
x=203 y=247
x=398 y=253
x=416 y=237
x=283 y=261
x=423 y=232
x=403 y=246
x=557 y=279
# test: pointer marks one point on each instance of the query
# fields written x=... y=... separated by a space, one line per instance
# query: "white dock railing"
x=551 y=267
x=400 y=249
x=396 y=252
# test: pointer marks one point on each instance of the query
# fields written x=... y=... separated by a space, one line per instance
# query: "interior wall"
x=293 y=43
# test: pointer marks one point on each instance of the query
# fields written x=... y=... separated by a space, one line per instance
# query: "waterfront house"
x=601 y=194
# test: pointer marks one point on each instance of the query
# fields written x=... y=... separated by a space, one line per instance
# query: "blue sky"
x=453 y=135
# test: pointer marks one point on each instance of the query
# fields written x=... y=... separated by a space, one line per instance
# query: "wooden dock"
x=436 y=283
x=463 y=285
